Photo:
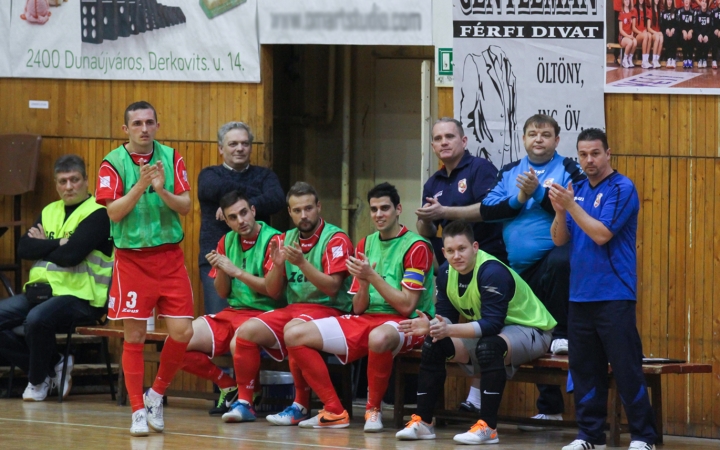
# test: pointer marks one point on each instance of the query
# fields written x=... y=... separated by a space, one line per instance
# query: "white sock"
x=474 y=396
x=300 y=407
x=656 y=57
x=153 y=395
x=645 y=57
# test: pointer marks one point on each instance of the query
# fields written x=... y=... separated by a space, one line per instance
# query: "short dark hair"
x=457 y=123
x=225 y=129
x=542 y=119
x=384 y=190
x=299 y=189
x=233 y=197
x=142 y=104
x=70 y=163
x=458 y=228
x=593 y=134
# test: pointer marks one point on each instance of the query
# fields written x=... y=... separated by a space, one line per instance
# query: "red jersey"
x=110 y=185
x=246 y=245
x=626 y=19
x=336 y=252
x=640 y=18
x=654 y=19
x=419 y=257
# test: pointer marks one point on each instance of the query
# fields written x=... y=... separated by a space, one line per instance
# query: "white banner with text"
x=134 y=40
x=517 y=58
x=345 y=22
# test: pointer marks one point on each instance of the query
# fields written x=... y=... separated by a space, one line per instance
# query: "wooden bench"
x=158 y=337
x=550 y=369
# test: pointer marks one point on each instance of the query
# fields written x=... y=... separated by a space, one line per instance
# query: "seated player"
x=393 y=277
x=508 y=326
x=239 y=266
x=309 y=267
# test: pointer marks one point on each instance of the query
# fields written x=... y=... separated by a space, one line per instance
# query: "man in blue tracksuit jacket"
x=519 y=200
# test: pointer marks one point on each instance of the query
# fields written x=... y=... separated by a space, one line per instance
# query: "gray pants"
x=525 y=344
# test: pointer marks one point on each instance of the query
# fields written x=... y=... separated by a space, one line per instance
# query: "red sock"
x=378 y=373
x=316 y=374
x=133 y=370
x=302 y=389
x=171 y=359
x=199 y=364
x=247 y=365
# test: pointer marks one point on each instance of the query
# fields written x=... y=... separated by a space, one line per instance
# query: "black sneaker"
x=227 y=397
x=468 y=407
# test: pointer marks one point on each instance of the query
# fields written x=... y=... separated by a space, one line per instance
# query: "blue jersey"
x=526 y=228
x=467 y=184
x=605 y=272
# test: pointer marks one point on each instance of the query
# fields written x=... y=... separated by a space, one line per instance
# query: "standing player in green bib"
x=309 y=267
x=239 y=265
x=393 y=278
x=507 y=326
x=144 y=186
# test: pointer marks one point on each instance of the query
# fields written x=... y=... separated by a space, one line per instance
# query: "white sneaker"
x=541 y=428
x=154 y=408
x=68 y=376
x=714 y=64
x=640 y=445
x=139 y=425
x=373 y=421
x=416 y=429
x=480 y=433
x=646 y=65
x=669 y=64
x=37 y=392
x=579 y=444
x=559 y=347
x=656 y=64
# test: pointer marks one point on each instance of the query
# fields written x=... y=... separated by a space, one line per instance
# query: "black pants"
x=602 y=332
x=687 y=46
x=36 y=353
x=670 y=44
x=549 y=279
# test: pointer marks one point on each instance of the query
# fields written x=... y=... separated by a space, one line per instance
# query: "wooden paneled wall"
x=670 y=147
x=85 y=118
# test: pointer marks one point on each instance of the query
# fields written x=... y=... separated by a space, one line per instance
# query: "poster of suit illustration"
x=198 y=40
x=516 y=58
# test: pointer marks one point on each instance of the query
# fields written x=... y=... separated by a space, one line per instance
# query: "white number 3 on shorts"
x=132 y=295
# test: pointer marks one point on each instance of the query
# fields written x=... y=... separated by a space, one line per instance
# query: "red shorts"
x=150 y=279
x=277 y=319
x=357 y=334
x=224 y=324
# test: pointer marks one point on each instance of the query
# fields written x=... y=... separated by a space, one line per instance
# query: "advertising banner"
x=516 y=58
x=135 y=40
x=345 y=22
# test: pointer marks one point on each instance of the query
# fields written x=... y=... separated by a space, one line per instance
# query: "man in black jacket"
x=259 y=184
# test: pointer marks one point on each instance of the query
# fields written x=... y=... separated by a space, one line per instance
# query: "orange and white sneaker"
x=480 y=433
x=416 y=429
x=373 y=421
x=326 y=419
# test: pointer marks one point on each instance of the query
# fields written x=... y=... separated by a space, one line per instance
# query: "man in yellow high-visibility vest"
x=73 y=255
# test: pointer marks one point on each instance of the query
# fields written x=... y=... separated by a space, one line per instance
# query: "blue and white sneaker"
x=154 y=408
x=292 y=415
x=240 y=411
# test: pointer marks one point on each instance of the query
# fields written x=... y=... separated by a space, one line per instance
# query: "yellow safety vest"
x=90 y=279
